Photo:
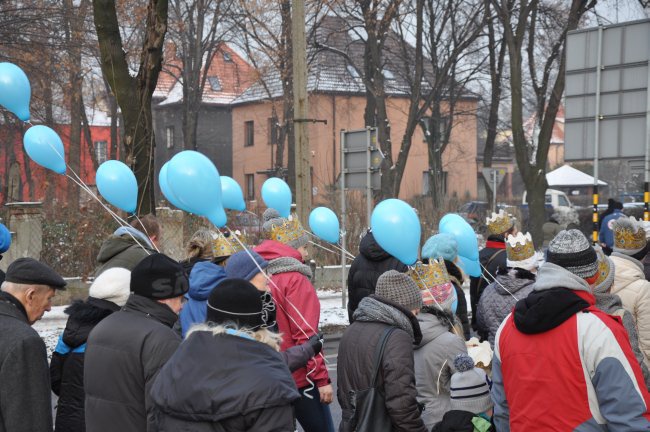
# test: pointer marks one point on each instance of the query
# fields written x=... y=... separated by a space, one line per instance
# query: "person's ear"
x=30 y=295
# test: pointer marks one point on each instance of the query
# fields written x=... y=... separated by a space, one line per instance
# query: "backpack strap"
x=379 y=353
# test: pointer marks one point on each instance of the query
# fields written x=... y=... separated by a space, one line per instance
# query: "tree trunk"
x=113 y=152
x=134 y=93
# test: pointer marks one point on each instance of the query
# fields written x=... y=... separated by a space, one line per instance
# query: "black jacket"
x=457 y=421
x=224 y=383
x=124 y=354
x=25 y=398
x=492 y=259
x=67 y=365
x=461 y=309
x=372 y=262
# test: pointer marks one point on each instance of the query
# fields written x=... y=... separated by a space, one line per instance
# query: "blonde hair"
x=263 y=335
x=200 y=245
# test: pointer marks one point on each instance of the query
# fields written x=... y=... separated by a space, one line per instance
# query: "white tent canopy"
x=569 y=176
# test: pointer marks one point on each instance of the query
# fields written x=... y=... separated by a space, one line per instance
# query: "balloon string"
x=494 y=280
x=328 y=250
x=335 y=246
x=145 y=231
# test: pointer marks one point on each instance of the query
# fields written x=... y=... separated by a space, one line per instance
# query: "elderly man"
x=25 y=398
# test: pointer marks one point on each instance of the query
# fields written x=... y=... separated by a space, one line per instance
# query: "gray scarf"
x=371 y=310
x=288 y=264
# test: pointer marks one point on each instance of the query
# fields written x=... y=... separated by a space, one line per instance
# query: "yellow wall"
x=459 y=158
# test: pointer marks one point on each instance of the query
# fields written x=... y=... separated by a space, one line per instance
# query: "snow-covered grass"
x=51 y=326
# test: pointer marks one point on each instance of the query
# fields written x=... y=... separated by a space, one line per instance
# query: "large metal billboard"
x=620 y=90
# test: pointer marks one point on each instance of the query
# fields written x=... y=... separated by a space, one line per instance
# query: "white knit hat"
x=112 y=285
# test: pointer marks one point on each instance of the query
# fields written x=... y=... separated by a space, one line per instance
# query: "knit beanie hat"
x=285 y=230
x=113 y=285
x=399 y=288
x=629 y=236
x=605 y=273
x=237 y=301
x=571 y=250
x=159 y=277
x=469 y=387
x=245 y=265
x=441 y=245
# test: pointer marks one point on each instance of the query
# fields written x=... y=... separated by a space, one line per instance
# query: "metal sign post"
x=597 y=118
x=344 y=288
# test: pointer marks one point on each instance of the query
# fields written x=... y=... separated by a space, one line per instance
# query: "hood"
x=129 y=231
x=151 y=309
x=607 y=302
x=627 y=269
x=113 y=246
x=431 y=327
x=513 y=280
x=552 y=275
x=370 y=249
x=455 y=273
x=83 y=318
x=544 y=310
x=271 y=249
x=204 y=277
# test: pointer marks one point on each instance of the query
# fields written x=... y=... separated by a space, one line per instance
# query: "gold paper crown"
x=225 y=246
x=289 y=230
x=520 y=247
x=603 y=267
x=629 y=234
x=499 y=223
x=430 y=278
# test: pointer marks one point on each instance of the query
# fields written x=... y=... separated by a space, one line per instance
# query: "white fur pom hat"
x=112 y=285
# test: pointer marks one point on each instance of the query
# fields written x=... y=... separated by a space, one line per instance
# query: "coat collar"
x=152 y=309
x=12 y=307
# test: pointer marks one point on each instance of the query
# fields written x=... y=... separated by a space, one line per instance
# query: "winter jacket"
x=457 y=280
x=611 y=304
x=434 y=364
x=297 y=306
x=67 y=365
x=372 y=262
x=492 y=257
x=630 y=285
x=550 y=229
x=396 y=378
x=25 y=398
x=188 y=264
x=646 y=267
x=497 y=300
x=463 y=421
x=122 y=251
x=204 y=277
x=561 y=364
x=606 y=235
x=124 y=353
x=222 y=382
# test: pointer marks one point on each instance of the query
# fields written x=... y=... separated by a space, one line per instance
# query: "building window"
x=227 y=57
x=273 y=131
x=214 y=82
x=249 y=133
x=250 y=187
x=100 y=152
x=170 y=136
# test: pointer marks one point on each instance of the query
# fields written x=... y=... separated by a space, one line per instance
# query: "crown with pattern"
x=604 y=270
x=224 y=246
x=629 y=234
x=289 y=230
x=520 y=247
x=499 y=223
x=432 y=279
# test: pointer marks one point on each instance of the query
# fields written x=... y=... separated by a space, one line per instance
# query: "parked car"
x=553 y=197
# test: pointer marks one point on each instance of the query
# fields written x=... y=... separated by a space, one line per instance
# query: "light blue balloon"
x=276 y=194
x=396 y=228
x=232 y=196
x=455 y=225
x=15 y=91
x=195 y=182
x=166 y=190
x=324 y=224
x=5 y=238
x=470 y=267
x=117 y=184
x=44 y=146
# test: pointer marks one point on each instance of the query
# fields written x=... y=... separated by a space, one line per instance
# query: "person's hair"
x=263 y=335
x=12 y=287
x=618 y=205
x=200 y=245
x=148 y=225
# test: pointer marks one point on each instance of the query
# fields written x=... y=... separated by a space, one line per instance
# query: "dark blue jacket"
x=606 y=234
x=204 y=277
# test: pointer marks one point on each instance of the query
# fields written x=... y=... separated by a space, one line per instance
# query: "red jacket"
x=292 y=290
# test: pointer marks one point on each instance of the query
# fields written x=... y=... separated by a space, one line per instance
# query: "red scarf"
x=491 y=244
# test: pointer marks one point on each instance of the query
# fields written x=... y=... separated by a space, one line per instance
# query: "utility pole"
x=300 y=111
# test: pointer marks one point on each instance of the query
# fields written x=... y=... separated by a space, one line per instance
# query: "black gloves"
x=316 y=343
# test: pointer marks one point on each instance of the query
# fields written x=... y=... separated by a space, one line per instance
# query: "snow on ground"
x=51 y=326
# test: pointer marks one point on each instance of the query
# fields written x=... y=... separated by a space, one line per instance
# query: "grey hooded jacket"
x=434 y=365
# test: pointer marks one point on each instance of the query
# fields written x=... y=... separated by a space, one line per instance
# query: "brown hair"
x=200 y=245
x=148 y=225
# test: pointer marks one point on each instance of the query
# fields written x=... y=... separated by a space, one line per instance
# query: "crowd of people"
x=228 y=339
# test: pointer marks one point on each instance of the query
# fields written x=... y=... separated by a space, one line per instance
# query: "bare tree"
x=134 y=92
x=534 y=30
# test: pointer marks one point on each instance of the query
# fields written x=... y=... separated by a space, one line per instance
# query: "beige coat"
x=633 y=289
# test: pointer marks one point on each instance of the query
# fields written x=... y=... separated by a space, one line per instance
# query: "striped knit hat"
x=470 y=387
x=571 y=250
